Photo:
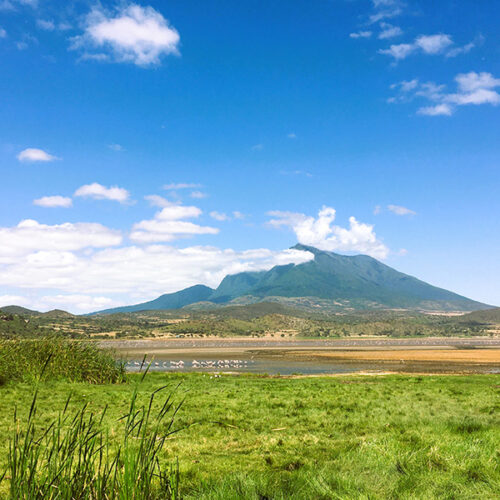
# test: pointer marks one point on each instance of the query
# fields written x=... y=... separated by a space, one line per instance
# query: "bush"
x=57 y=358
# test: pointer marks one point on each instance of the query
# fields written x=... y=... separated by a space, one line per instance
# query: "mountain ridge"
x=345 y=281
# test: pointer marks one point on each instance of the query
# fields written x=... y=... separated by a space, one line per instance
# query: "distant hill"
x=21 y=311
x=329 y=281
x=57 y=313
x=489 y=316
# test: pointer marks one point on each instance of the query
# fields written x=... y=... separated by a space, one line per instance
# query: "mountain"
x=331 y=281
x=176 y=300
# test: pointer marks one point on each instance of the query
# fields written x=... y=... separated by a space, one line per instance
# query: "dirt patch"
x=433 y=355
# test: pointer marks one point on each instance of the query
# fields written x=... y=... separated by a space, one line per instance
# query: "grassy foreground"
x=342 y=437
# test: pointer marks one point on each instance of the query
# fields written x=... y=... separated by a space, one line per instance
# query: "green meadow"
x=260 y=437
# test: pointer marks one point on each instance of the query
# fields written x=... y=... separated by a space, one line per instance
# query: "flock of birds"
x=179 y=365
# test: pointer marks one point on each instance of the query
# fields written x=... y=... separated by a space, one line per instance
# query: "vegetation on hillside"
x=257 y=319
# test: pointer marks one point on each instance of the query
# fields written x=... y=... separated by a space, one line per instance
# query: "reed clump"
x=57 y=358
x=74 y=457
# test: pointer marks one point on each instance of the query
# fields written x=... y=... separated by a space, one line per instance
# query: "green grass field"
x=306 y=438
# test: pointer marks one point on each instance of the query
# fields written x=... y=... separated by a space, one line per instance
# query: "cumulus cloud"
x=100 y=192
x=134 y=34
x=78 y=303
x=46 y=24
x=13 y=300
x=131 y=274
x=34 y=155
x=53 y=201
x=385 y=9
x=322 y=233
x=399 y=210
x=433 y=44
x=361 y=34
x=472 y=89
x=389 y=31
x=168 y=225
x=437 y=110
x=181 y=185
x=220 y=216
x=30 y=236
x=198 y=194
x=156 y=200
x=427 y=44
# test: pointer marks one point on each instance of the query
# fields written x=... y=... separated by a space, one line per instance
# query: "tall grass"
x=74 y=458
x=57 y=358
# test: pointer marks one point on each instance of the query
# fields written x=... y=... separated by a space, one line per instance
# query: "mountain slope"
x=176 y=300
x=354 y=282
x=356 y=278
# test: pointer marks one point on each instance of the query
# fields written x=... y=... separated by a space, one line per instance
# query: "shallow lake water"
x=270 y=357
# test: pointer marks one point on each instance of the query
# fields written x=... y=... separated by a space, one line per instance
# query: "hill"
x=330 y=282
x=489 y=316
x=22 y=311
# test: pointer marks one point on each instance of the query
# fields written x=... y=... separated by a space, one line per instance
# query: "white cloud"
x=156 y=200
x=34 y=154
x=198 y=194
x=401 y=51
x=292 y=135
x=46 y=25
x=406 y=85
x=323 y=234
x=428 y=44
x=479 y=96
x=257 y=147
x=220 y=216
x=116 y=147
x=132 y=274
x=469 y=82
x=167 y=225
x=100 y=192
x=399 y=210
x=389 y=31
x=377 y=210
x=461 y=50
x=437 y=110
x=79 y=303
x=472 y=89
x=181 y=185
x=30 y=236
x=53 y=201
x=433 y=44
x=361 y=34
x=136 y=34
x=3 y=33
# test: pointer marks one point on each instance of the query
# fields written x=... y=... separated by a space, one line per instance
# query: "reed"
x=74 y=456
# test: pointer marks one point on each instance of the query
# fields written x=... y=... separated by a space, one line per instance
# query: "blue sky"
x=145 y=147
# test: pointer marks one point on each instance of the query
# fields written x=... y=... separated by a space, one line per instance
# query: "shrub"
x=57 y=358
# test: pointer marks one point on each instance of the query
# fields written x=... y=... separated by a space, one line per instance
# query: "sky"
x=147 y=147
